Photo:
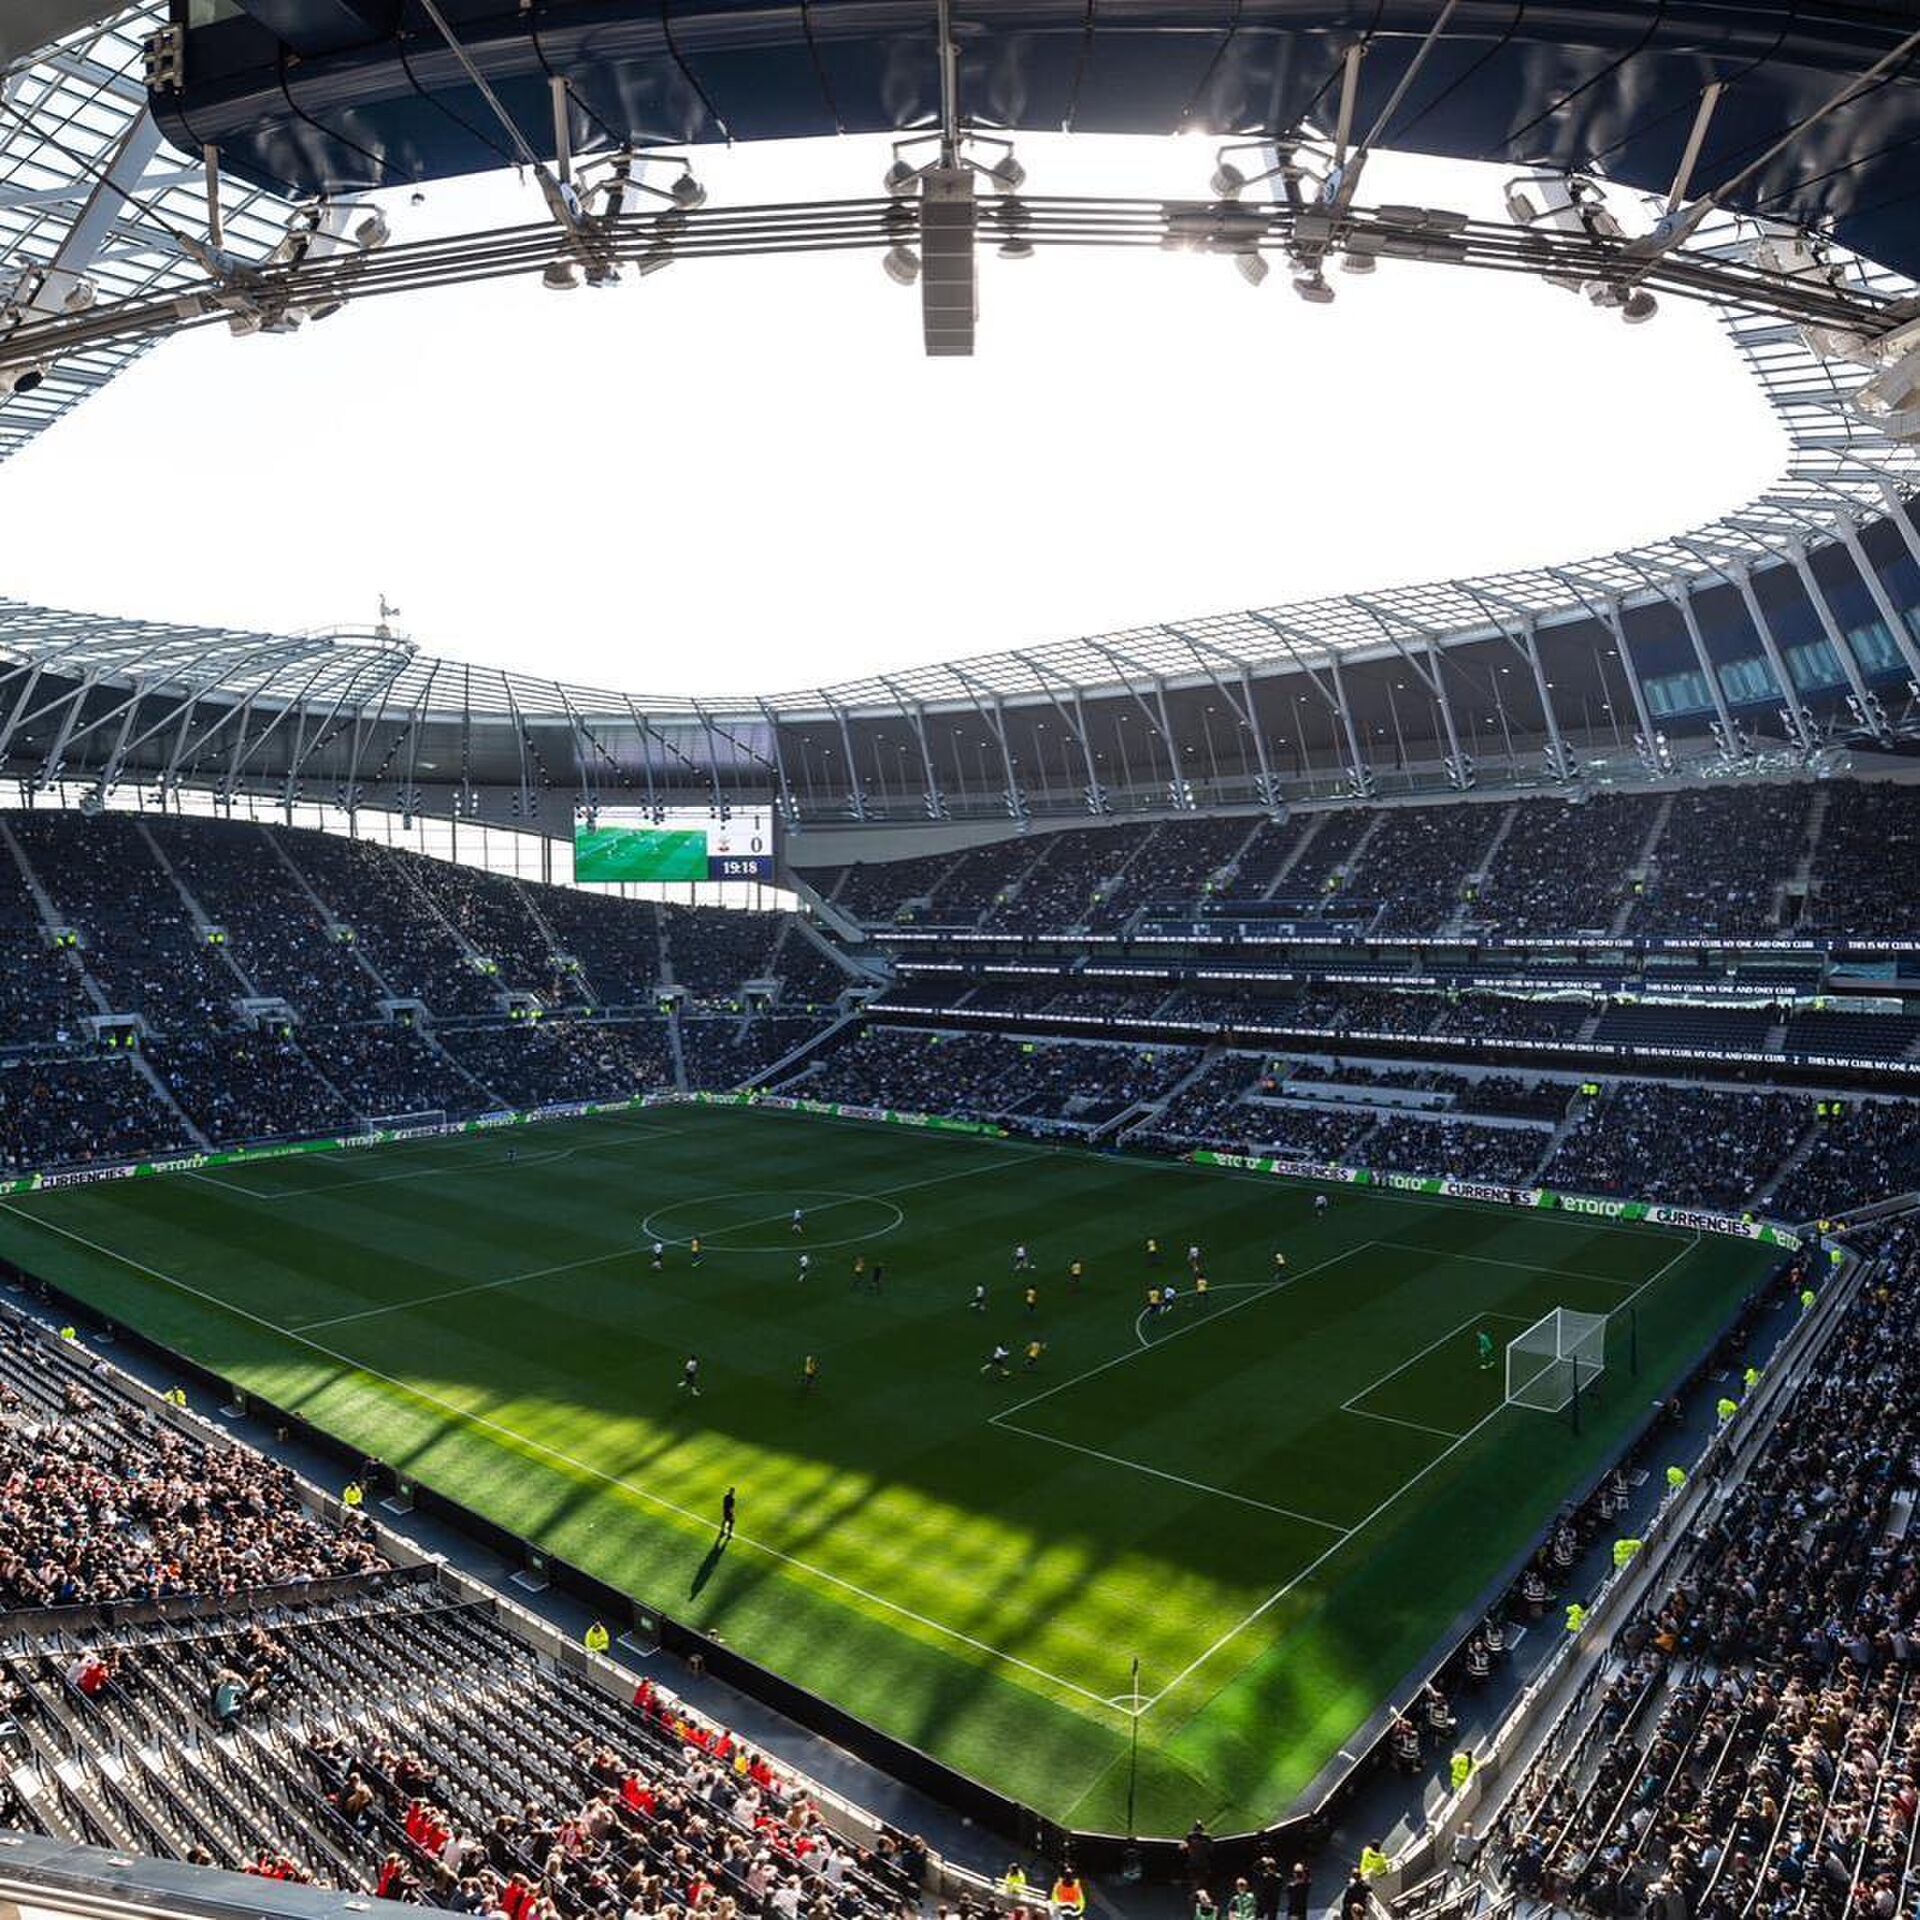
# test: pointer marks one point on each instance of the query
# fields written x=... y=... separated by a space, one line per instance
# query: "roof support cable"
x=1680 y=226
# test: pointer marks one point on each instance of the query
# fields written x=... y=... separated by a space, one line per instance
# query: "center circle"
x=764 y=1216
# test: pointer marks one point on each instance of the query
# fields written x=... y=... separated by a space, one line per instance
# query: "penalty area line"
x=1406 y=1486
x=1158 y=1473
x=482 y=1421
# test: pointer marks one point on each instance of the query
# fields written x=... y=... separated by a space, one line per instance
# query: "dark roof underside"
x=309 y=95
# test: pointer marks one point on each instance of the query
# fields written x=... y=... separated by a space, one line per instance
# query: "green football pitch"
x=1277 y=1498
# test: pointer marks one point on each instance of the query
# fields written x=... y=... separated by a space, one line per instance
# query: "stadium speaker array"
x=949 y=297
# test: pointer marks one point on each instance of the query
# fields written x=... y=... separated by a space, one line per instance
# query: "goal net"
x=1560 y=1355
x=423 y=1120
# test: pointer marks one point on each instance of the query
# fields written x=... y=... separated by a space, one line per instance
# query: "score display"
x=681 y=843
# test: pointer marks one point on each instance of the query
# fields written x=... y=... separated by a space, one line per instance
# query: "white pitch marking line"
x=466 y=1414
x=1519 y=1266
x=879 y=1193
x=1394 y=1420
x=455 y=1293
x=1264 y=1288
x=1413 y=1359
x=1307 y=1572
x=1179 y=1480
x=589 y=1260
x=326 y=1191
x=1313 y=1566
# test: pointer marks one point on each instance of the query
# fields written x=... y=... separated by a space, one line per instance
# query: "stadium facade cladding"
x=1787 y=626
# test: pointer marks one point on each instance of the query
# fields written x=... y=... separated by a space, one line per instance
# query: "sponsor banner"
x=1483 y=1190
x=326 y=1143
x=1697 y=1219
x=838 y=1110
x=1742 y=1226
x=1288 y=1169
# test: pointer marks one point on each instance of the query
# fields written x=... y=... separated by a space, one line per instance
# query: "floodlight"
x=325 y=310
x=1638 y=307
x=1253 y=267
x=1227 y=180
x=688 y=192
x=902 y=266
x=1019 y=247
x=900 y=176
x=560 y=276
x=655 y=258
x=1008 y=174
x=1351 y=262
x=21 y=379
x=603 y=274
x=81 y=295
x=1312 y=288
x=373 y=232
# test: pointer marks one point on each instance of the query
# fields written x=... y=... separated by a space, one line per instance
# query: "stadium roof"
x=325 y=95
x=1840 y=472
x=88 y=187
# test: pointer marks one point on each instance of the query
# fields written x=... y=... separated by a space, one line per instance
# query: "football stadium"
x=1251 y=1262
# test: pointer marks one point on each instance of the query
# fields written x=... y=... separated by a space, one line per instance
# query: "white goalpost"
x=1559 y=1357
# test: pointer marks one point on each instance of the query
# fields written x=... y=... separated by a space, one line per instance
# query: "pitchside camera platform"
x=674 y=843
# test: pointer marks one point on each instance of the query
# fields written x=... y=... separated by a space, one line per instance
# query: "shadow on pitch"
x=709 y=1566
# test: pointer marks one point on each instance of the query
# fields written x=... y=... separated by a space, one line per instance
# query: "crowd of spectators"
x=42 y=995
x=1722 y=860
x=1562 y=867
x=1457 y=1149
x=1693 y=1145
x=1759 y=1752
x=1861 y=1150
x=1327 y=850
x=100 y=1501
x=497 y=919
x=1174 y=865
x=541 y=1062
x=139 y=938
x=1507 y=1016
x=1869 y=838
x=714 y=949
x=878 y=893
x=373 y=889
x=615 y=941
x=82 y=1112
x=245 y=1086
x=276 y=935
x=1416 y=864
x=351 y=1725
x=992 y=1077
x=721 y=1054
x=1721 y=863
x=1077 y=872
x=390 y=1070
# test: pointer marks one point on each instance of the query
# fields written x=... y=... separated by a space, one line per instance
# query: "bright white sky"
x=742 y=475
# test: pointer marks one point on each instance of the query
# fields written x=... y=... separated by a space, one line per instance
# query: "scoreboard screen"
x=680 y=843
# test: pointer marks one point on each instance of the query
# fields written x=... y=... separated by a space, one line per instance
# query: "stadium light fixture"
x=1252 y=267
x=561 y=276
x=1012 y=219
x=902 y=265
x=1311 y=285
